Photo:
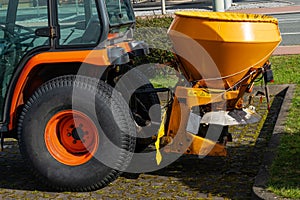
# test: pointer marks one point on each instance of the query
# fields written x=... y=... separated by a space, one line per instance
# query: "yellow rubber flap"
x=228 y=16
x=160 y=134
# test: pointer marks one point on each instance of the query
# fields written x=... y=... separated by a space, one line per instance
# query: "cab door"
x=18 y=22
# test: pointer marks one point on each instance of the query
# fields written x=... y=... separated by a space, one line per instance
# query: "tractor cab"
x=31 y=27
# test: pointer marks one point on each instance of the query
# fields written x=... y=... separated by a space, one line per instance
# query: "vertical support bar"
x=177 y=127
x=218 y=5
x=38 y=7
x=11 y=15
x=77 y=7
x=53 y=21
x=163 y=7
x=227 y=4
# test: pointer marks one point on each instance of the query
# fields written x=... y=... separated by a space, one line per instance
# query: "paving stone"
x=189 y=177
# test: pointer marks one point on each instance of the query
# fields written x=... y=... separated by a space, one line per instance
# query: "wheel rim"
x=71 y=137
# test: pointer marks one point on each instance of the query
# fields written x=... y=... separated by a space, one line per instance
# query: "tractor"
x=72 y=95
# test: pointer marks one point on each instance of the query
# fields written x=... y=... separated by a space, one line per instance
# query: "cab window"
x=119 y=12
x=79 y=22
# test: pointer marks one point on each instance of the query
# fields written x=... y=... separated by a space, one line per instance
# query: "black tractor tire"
x=64 y=100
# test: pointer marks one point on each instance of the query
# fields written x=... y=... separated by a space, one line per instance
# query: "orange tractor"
x=78 y=116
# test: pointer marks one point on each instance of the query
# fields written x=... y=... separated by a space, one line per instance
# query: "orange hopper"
x=222 y=46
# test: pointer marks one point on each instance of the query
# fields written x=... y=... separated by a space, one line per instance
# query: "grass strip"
x=285 y=170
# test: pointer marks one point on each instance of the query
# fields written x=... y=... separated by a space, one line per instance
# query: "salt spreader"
x=220 y=54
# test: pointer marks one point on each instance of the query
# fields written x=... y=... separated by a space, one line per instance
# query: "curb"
x=287 y=50
x=275 y=10
x=260 y=184
x=280 y=50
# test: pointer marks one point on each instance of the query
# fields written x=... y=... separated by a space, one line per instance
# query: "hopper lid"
x=228 y=16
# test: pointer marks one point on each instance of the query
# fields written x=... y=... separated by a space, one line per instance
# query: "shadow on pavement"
x=231 y=177
x=13 y=172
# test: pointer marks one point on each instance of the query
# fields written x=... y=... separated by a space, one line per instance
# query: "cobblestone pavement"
x=189 y=177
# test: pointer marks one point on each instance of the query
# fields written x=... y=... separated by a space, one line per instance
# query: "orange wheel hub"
x=71 y=137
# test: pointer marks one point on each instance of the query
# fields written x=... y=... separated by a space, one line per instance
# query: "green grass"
x=164 y=82
x=166 y=77
x=285 y=170
x=286 y=69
